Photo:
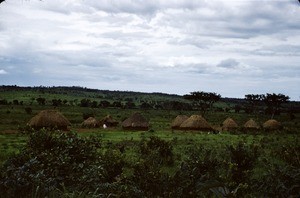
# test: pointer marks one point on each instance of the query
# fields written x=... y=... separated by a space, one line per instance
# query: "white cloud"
x=228 y=63
x=2 y=71
x=152 y=45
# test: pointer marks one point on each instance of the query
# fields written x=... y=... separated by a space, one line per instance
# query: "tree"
x=94 y=104
x=104 y=104
x=129 y=105
x=145 y=105
x=117 y=104
x=16 y=102
x=41 y=101
x=253 y=100
x=3 y=102
x=274 y=102
x=56 y=102
x=32 y=100
x=203 y=100
x=85 y=102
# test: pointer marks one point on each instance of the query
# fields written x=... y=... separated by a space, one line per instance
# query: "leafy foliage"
x=280 y=181
x=53 y=160
x=203 y=100
x=242 y=160
x=253 y=100
x=158 y=148
x=57 y=164
x=198 y=174
x=272 y=101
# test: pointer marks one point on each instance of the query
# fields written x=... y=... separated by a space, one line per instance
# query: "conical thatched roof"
x=109 y=121
x=178 y=121
x=91 y=122
x=135 y=122
x=272 y=125
x=251 y=124
x=196 y=122
x=49 y=119
x=229 y=124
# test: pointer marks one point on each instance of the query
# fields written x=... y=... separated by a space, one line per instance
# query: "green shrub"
x=162 y=149
x=240 y=167
x=150 y=179
x=290 y=154
x=279 y=181
x=198 y=175
x=55 y=160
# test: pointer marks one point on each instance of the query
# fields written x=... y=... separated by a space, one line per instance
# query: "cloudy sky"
x=231 y=47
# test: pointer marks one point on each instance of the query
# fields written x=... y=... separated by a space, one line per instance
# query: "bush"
x=150 y=179
x=56 y=164
x=56 y=160
x=3 y=102
x=163 y=150
x=198 y=175
x=279 y=181
x=290 y=154
x=85 y=102
x=240 y=166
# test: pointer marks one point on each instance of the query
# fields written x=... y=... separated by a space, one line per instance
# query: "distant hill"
x=90 y=93
x=75 y=94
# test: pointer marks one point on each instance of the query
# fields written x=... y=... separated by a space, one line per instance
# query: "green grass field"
x=14 y=117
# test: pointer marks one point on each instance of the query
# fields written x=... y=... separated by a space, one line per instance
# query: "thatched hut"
x=251 y=124
x=135 y=122
x=229 y=124
x=91 y=122
x=49 y=119
x=272 y=125
x=196 y=122
x=178 y=121
x=108 y=121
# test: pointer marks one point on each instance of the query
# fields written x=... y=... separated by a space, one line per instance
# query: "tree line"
x=269 y=103
x=273 y=102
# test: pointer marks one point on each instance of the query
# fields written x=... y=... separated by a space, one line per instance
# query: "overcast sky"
x=231 y=47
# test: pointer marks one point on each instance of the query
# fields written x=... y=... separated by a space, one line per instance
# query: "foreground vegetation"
x=54 y=163
x=156 y=163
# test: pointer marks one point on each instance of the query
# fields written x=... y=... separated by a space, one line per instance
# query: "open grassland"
x=14 y=116
x=12 y=143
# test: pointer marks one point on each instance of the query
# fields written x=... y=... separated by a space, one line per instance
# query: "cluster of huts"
x=197 y=122
x=54 y=119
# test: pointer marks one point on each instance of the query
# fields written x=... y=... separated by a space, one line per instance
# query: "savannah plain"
x=157 y=162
